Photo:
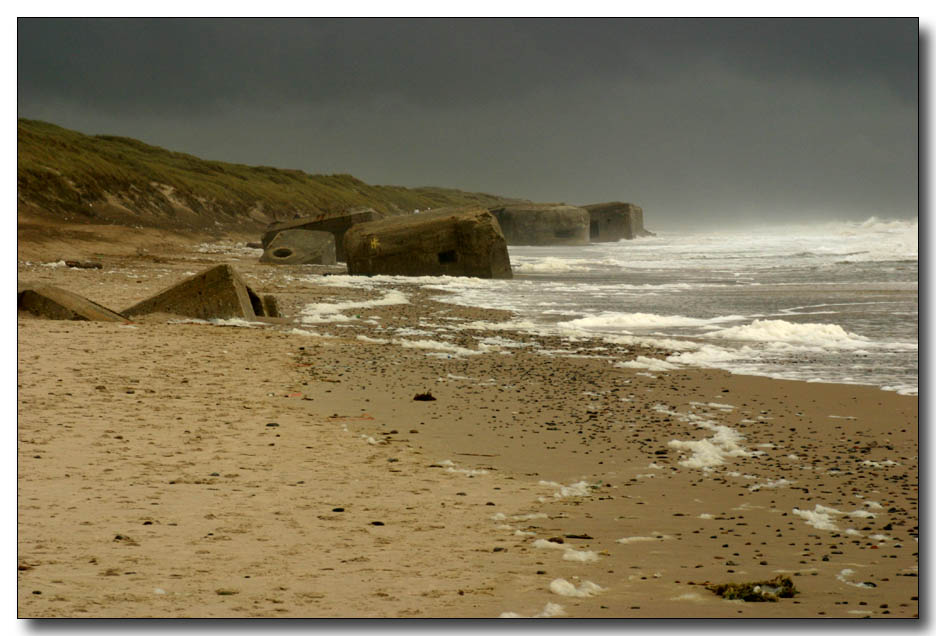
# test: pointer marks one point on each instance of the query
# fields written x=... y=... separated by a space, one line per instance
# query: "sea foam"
x=816 y=334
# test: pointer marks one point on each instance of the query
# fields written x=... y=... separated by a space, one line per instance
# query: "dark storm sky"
x=698 y=121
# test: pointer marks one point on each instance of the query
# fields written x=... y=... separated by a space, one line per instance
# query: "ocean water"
x=830 y=302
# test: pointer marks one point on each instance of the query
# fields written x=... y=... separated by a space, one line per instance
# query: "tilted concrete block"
x=52 y=302
x=219 y=292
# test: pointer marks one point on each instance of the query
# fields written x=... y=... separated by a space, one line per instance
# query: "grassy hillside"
x=103 y=178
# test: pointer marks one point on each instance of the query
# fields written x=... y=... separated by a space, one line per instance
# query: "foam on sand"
x=450 y=467
x=823 y=518
x=332 y=312
x=534 y=515
x=585 y=590
x=432 y=345
x=582 y=556
x=569 y=553
x=771 y=483
x=643 y=362
x=578 y=489
x=843 y=577
x=714 y=451
x=442 y=347
x=551 y=609
x=305 y=332
x=642 y=539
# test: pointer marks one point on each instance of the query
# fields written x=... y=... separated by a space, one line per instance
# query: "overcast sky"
x=698 y=121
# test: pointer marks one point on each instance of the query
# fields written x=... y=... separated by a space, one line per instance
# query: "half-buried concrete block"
x=219 y=292
x=301 y=247
x=52 y=302
x=335 y=222
x=445 y=242
x=543 y=224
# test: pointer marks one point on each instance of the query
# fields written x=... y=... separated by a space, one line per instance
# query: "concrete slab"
x=48 y=301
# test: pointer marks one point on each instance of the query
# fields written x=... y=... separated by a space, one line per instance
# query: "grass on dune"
x=63 y=171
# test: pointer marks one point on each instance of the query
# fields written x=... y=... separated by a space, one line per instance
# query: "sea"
x=822 y=302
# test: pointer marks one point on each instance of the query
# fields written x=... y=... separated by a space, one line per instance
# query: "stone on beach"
x=446 y=242
x=301 y=247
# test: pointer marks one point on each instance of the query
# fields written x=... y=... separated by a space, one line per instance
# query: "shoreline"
x=459 y=484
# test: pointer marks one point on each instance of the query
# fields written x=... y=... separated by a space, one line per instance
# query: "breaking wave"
x=773 y=331
x=626 y=321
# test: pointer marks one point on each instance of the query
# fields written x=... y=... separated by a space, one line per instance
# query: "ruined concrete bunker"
x=445 y=242
x=543 y=224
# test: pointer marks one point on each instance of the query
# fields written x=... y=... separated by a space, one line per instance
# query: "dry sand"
x=173 y=469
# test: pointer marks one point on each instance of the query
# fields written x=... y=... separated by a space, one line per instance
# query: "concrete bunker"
x=446 y=242
x=613 y=221
x=336 y=223
x=543 y=224
x=301 y=247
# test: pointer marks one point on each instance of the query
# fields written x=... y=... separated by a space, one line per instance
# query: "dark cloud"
x=691 y=117
x=191 y=63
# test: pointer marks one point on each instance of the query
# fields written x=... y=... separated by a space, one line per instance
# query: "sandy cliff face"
x=159 y=206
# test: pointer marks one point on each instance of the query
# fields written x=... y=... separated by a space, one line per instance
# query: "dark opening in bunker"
x=282 y=252
x=566 y=233
x=450 y=256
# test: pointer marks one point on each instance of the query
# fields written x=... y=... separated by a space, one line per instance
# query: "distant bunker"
x=301 y=247
x=461 y=241
x=615 y=221
x=543 y=224
x=335 y=222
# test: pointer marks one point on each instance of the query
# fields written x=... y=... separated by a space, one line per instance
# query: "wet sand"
x=176 y=469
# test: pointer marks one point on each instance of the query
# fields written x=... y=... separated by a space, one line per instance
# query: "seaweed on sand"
x=757 y=592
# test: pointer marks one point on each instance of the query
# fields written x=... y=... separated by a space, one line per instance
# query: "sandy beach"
x=177 y=468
